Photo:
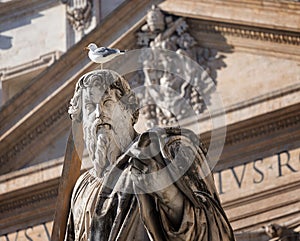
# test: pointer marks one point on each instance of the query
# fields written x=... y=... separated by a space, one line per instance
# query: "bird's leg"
x=101 y=65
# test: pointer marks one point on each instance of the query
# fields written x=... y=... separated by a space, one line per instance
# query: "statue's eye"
x=117 y=90
x=131 y=99
x=117 y=84
x=118 y=93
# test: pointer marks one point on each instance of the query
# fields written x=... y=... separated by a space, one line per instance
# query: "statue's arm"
x=179 y=209
x=167 y=204
x=171 y=202
x=170 y=199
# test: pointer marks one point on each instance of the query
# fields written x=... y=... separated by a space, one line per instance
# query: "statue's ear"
x=70 y=174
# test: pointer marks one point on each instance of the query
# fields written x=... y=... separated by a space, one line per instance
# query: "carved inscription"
x=259 y=172
x=39 y=232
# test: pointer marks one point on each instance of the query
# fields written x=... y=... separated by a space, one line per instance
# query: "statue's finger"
x=139 y=165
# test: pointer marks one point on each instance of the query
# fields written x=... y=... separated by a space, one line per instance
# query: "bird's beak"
x=86 y=48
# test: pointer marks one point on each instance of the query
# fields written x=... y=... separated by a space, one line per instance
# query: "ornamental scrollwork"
x=169 y=32
x=79 y=13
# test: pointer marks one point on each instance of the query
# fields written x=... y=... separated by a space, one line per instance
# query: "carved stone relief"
x=168 y=32
x=278 y=232
x=79 y=13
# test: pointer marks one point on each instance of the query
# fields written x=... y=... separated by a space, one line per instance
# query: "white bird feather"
x=102 y=54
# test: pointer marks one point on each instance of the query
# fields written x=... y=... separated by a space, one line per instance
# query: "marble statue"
x=114 y=200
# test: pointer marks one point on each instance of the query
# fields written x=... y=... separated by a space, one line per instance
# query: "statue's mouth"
x=106 y=126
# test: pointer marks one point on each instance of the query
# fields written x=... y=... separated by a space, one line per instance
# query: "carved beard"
x=101 y=146
x=105 y=145
x=90 y=139
x=100 y=160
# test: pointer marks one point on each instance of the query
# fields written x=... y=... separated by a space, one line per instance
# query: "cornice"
x=30 y=176
x=229 y=37
x=259 y=126
x=257 y=13
x=289 y=6
x=245 y=219
x=259 y=136
x=248 y=32
x=28 y=206
x=31 y=135
x=16 y=8
x=42 y=62
x=267 y=127
x=26 y=201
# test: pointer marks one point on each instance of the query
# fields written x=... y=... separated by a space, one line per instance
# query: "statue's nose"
x=98 y=111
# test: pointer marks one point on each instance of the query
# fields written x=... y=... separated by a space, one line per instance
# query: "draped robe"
x=101 y=212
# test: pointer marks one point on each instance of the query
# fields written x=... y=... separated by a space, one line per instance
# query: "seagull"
x=102 y=55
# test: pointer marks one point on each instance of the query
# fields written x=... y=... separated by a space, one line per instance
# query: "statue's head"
x=155 y=19
x=108 y=109
x=97 y=83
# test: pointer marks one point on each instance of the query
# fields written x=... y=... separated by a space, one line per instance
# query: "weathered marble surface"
x=129 y=195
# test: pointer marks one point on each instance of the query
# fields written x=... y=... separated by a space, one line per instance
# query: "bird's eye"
x=108 y=103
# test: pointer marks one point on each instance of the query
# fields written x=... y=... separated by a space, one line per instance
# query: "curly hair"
x=103 y=79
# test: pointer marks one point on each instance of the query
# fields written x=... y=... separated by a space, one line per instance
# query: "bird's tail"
x=123 y=51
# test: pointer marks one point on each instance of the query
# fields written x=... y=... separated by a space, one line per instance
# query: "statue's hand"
x=148 y=170
x=148 y=179
x=149 y=176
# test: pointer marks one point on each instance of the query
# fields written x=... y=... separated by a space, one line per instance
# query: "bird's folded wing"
x=106 y=51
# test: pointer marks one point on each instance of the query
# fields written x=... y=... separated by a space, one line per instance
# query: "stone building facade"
x=250 y=49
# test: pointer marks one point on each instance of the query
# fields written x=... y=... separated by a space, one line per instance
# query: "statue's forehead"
x=101 y=81
x=96 y=86
x=93 y=93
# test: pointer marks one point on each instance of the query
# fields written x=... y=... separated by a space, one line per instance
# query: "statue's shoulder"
x=169 y=137
x=85 y=182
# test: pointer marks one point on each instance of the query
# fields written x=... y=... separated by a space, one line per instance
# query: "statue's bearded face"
x=107 y=124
